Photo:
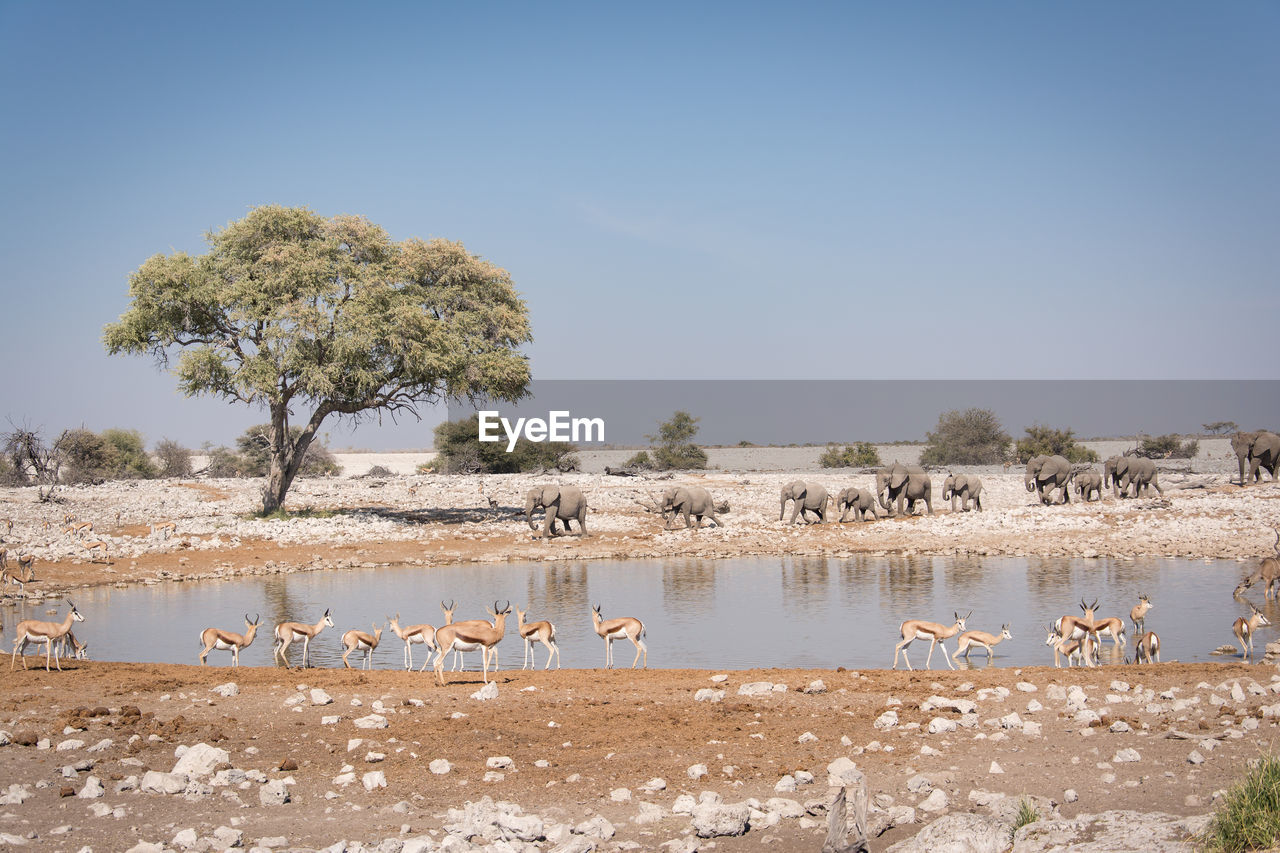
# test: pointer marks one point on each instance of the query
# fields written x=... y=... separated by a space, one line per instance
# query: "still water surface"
x=706 y=614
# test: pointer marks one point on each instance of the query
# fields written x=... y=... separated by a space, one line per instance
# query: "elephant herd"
x=900 y=487
x=1123 y=474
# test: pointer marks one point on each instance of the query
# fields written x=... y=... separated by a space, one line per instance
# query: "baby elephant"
x=1088 y=485
x=862 y=502
x=561 y=502
x=964 y=487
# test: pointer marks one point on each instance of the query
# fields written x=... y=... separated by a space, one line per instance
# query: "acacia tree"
x=298 y=313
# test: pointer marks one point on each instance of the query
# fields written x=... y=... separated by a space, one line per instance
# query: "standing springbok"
x=1073 y=627
x=969 y=639
x=1110 y=625
x=936 y=634
x=216 y=638
x=410 y=634
x=359 y=641
x=459 y=663
x=469 y=636
x=1148 y=646
x=49 y=633
x=1244 y=629
x=627 y=627
x=286 y=632
x=1268 y=570
x=1138 y=615
x=1081 y=648
x=537 y=632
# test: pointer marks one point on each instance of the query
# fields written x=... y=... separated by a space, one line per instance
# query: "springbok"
x=286 y=632
x=935 y=633
x=1148 y=646
x=1081 y=648
x=1138 y=615
x=969 y=639
x=21 y=574
x=1244 y=629
x=537 y=632
x=216 y=638
x=424 y=634
x=627 y=627
x=49 y=633
x=470 y=637
x=1268 y=570
x=359 y=641
x=459 y=663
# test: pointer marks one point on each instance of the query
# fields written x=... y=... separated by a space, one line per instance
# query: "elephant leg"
x=977 y=502
x=582 y=522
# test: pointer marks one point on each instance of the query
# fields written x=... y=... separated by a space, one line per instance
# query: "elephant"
x=964 y=487
x=1046 y=473
x=862 y=502
x=900 y=483
x=689 y=501
x=561 y=502
x=808 y=497
x=1260 y=450
x=1088 y=483
x=1119 y=472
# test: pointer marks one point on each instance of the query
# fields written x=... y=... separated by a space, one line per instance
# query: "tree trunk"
x=286 y=455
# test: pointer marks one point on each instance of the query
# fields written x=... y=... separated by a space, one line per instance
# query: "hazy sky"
x=846 y=190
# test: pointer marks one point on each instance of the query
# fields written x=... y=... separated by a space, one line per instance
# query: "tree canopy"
x=300 y=313
x=969 y=437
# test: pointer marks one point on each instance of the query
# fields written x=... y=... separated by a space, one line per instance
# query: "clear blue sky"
x=709 y=190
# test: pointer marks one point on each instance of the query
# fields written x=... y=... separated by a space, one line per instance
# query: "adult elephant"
x=1121 y=472
x=689 y=501
x=964 y=487
x=560 y=502
x=1046 y=473
x=1260 y=450
x=903 y=483
x=808 y=498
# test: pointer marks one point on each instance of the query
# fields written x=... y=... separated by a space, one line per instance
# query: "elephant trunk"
x=1029 y=481
x=529 y=507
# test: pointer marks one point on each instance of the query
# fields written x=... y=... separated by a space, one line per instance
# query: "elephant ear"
x=897 y=476
x=550 y=494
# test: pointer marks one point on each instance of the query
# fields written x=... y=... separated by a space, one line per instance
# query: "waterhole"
x=706 y=614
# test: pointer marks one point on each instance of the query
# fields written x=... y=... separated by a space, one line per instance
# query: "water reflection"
x=820 y=612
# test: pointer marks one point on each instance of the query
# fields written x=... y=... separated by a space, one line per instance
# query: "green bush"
x=1249 y=816
x=8 y=474
x=1047 y=441
x=1168 y=447
x=673 y=446
x=223 y=462
x=175 y=460
x=860 y=455
x=969 y=437
x=640 y=460
x=1221 y=427
x=462 y=452
x=128 y=455
x=1026 y=814
x=86 y=457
